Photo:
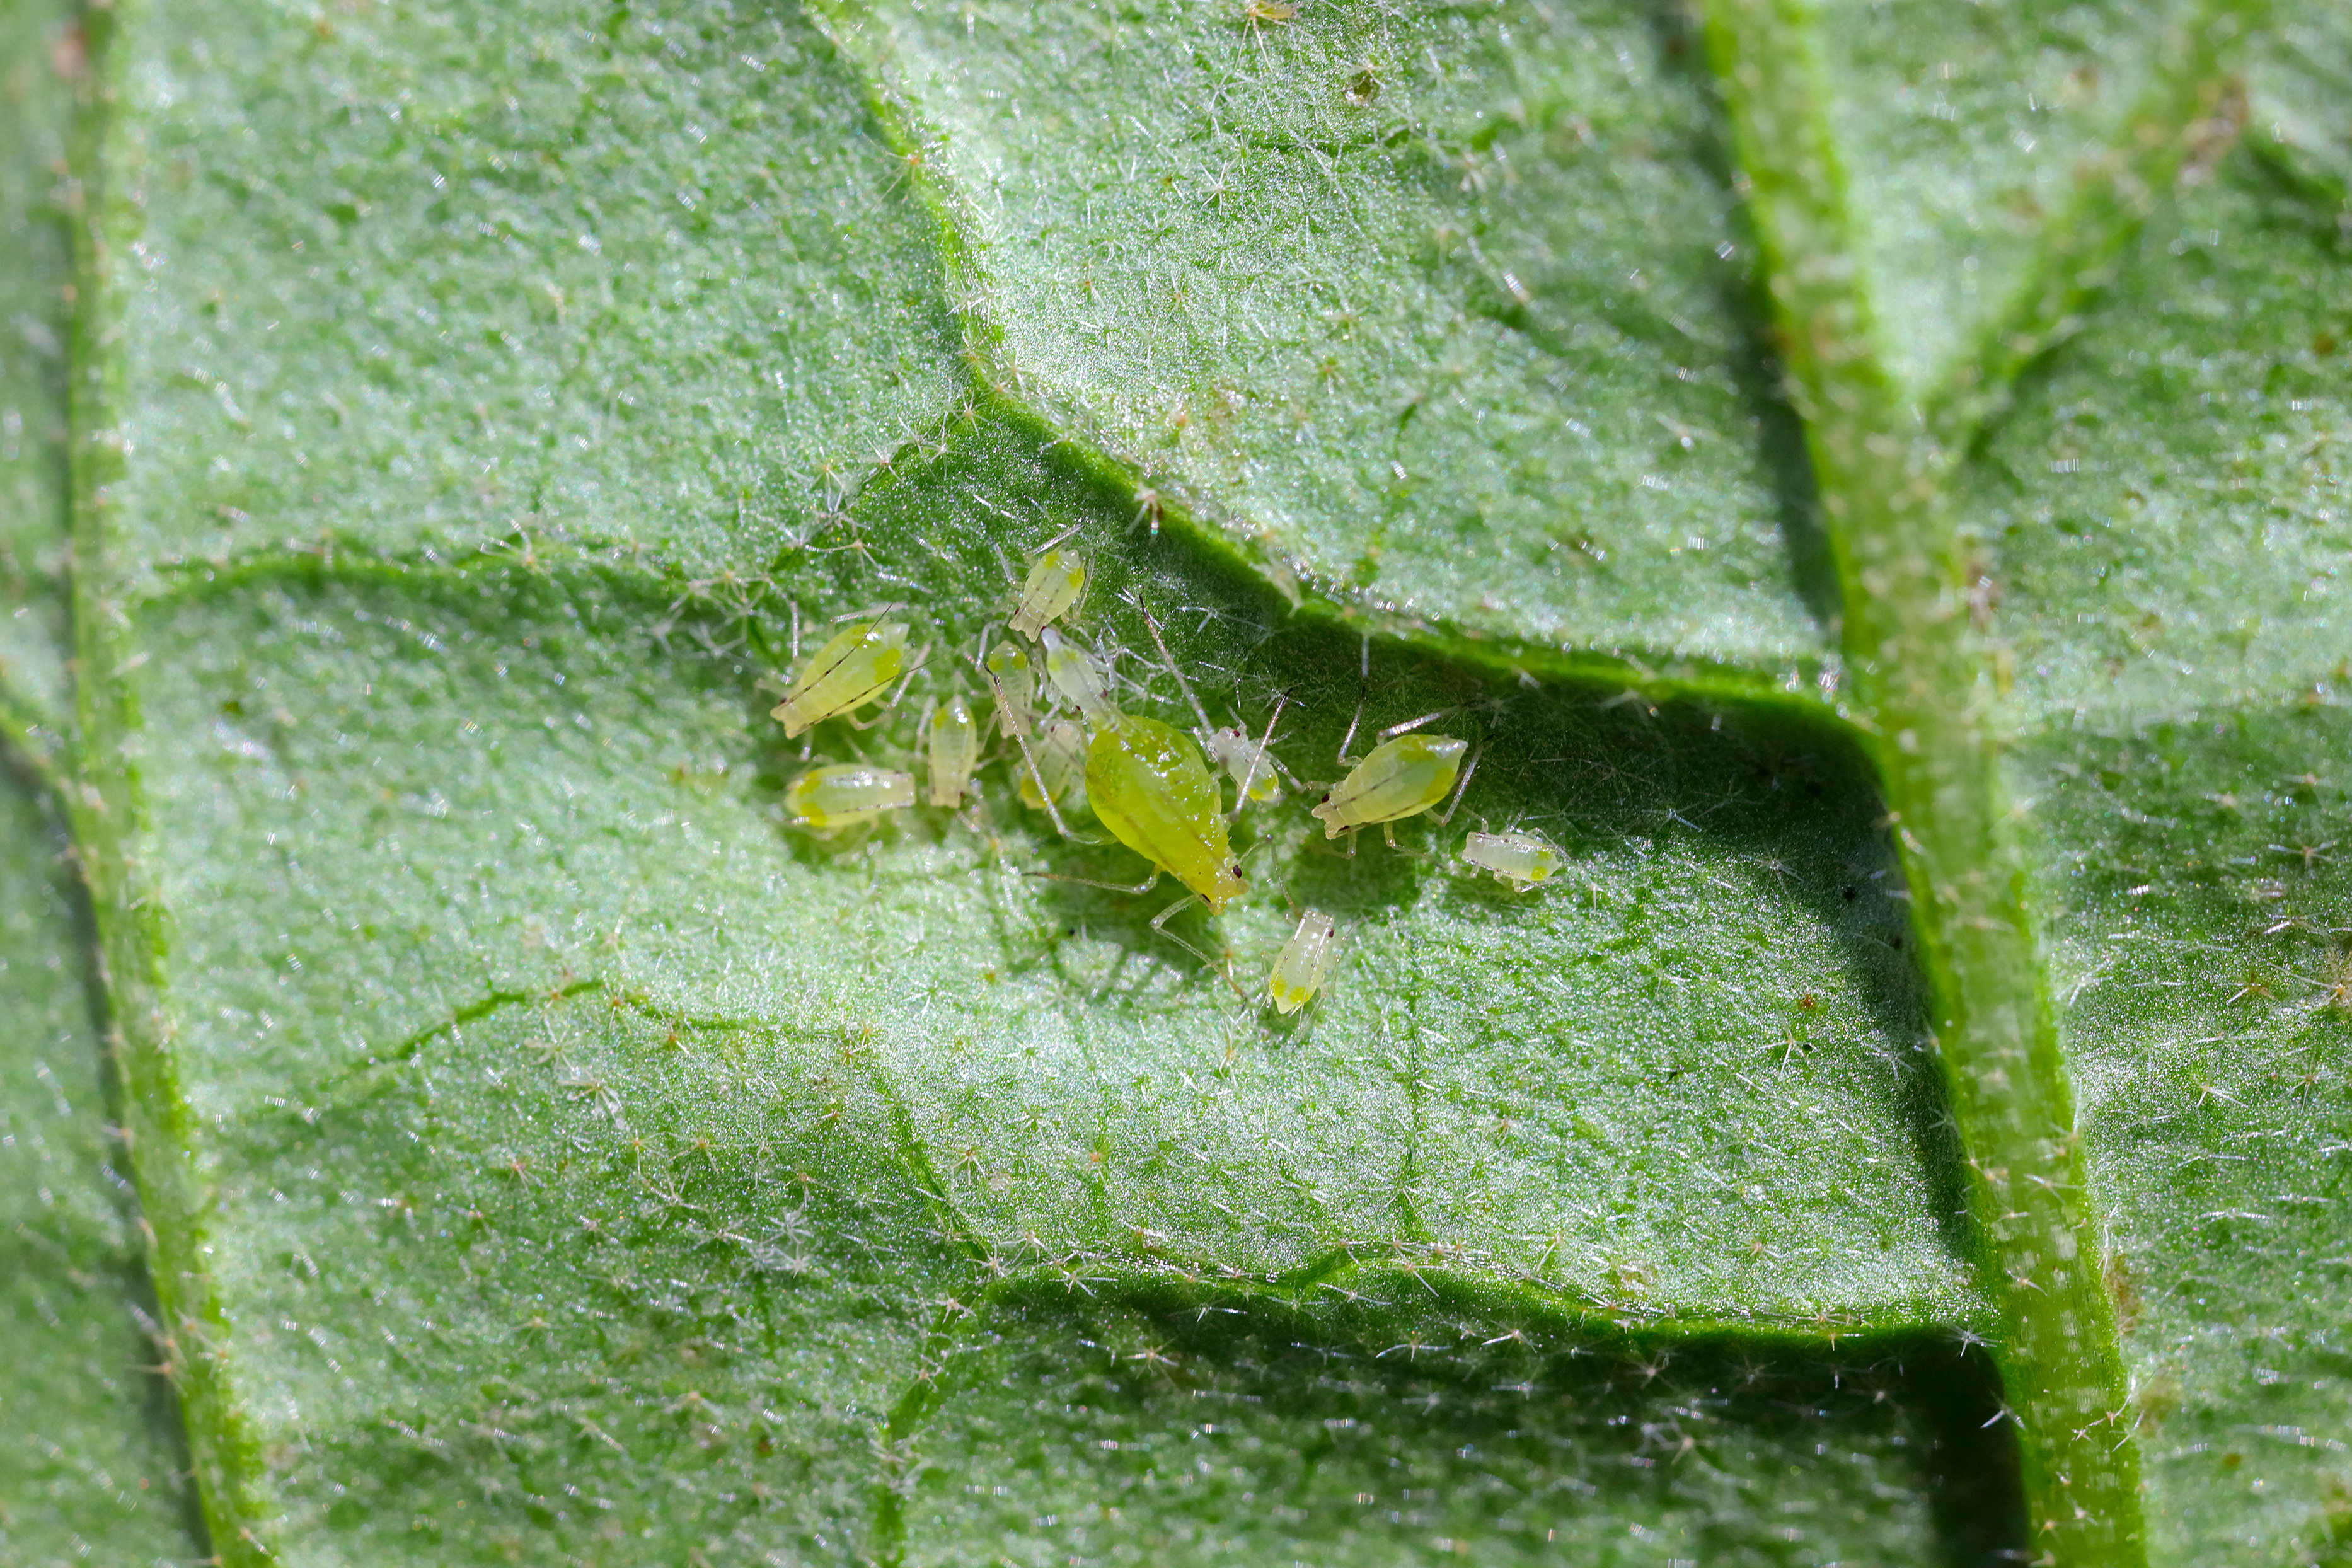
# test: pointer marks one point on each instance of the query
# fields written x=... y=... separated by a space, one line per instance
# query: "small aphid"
x=843 y=796
x=857 y=666
x=1016 y=684
x=954 y=742
x=1061 y=754
x=1401 y=778
x=1054 y=585
x=1148 y=784
x=1519 y=859
x=1079 y=678
x=1245 y=759
x=1304 y=962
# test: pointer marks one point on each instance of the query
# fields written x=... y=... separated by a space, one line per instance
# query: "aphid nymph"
x=952 y=739
x=830 y=798
x=1304 y=962
x=1404 y=776
x=857 y=666
x=1079 y=678
x=1519 y=858
x=1053 y=587
x=1060 y=755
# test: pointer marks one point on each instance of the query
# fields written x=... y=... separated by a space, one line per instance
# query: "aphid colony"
x=1155 y=788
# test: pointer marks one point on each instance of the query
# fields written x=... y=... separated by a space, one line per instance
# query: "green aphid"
x=852 y=669
x=1402 y=777
x=1148 y=784
x=1054 y=585
x=830 y=798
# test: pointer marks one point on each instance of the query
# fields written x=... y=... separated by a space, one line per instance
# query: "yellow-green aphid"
x=1148 y=784
x=1054 y=585
x=1079 y=678
x=857 y=666
x=843 y=796
x=1518 y=857
x=952 y=737
x=1304 y=962
x=1401 y=778
x=1015 y=684
x=1061 y=756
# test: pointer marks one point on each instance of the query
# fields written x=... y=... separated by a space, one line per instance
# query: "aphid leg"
x=1257 y=758
x=1161 y=643
x=1058 y=538
x=1387 y=831
x=1460 y=789
x=1138 y=889
x=1160 y=924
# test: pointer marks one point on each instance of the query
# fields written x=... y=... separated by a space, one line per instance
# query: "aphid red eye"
x=1327 y=797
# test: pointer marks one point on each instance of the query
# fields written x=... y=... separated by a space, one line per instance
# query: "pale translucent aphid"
x=1054 y=585
x=1304 y=962
x=1519 y=858
x=1060 y=755
x=1079 y=678
x=1403 y=777
x=1015 y=684
x=951 y=738
x=1246 y=761
x=843 y=796
x=857 y=666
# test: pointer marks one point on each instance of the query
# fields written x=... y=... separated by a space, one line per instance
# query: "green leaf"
x=1867 y=481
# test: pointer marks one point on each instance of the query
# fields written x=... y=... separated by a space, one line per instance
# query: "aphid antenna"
x=871 y=613
x=1004 y=564
x=1257 y=758
x=1393 y=730
x=1058 y=538
x=1160 y=642
x=1038 y=777
x=1009 y=721
x=1224 y=972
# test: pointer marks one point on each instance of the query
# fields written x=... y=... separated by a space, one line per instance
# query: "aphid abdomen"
x=1521 y=859
x=1079 y=678
x=843 y=796
x=1061 y=753
x=1148 y=785
x=1401 y=778
x=1053 y=587
x=954 y=748
x=855 y=667
x=1304 y=962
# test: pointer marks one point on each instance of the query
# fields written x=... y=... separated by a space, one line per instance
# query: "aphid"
x=857 y=666
x=1079 y=678
x=1519 y=859
x=952 y=739
x=1054 y=585
x=1248 y=762
x=836 y=797
x=1403 y=777
x=1148 y=784
x=1061 y=757
x=1304 y=962
x=1015 y=684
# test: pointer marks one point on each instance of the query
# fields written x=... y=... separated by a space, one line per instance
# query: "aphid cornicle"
x=1053 y=587
x=1061 y=754
x=1304 y=962
x=1521 y=859
x=952 y=740
x=857 y=666
x=1148 y=784
x=843 y=796
x=1401 y=778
